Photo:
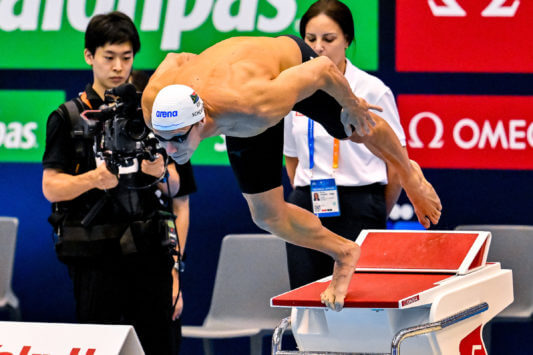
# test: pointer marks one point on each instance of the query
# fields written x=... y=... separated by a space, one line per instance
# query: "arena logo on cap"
x=469 y=132
x=165 y=114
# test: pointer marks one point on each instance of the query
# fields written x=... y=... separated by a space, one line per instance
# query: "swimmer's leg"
x=298 y=226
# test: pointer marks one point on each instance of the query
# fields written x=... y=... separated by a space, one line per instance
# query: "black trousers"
x=134 y=290
x=362 y=207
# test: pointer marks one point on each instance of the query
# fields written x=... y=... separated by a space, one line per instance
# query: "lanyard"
x=311 y=143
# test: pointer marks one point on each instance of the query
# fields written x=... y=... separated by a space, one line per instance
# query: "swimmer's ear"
x=202 y=121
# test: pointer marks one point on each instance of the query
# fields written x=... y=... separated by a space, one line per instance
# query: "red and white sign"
x=464 y=36
x=469 y=132
x=19 y=338
x=472 y=344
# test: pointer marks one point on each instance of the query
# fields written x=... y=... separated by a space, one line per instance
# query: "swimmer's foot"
x=333 y=296
x=423 y=196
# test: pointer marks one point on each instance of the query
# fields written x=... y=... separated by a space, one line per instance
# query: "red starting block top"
x=397 y=266
x=422 y=251
x=366 y=290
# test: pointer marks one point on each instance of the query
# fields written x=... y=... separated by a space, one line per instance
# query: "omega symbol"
x=415 y=141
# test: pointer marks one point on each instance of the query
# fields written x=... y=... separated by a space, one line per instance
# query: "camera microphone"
x=125 y=91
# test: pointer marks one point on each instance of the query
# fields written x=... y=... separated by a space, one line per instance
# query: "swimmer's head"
x=175 y=107
x=177 y=117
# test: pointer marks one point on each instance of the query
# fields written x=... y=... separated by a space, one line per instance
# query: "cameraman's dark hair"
x=115 y=28
x=334 y=9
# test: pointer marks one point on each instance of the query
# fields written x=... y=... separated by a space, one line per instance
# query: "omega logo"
x=513 y=134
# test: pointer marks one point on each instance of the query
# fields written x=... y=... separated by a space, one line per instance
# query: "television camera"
x=118 y=127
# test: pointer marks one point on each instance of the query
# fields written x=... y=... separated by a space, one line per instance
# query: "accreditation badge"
x=325 y=198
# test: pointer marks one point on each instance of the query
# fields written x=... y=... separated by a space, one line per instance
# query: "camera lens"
x=136 y=129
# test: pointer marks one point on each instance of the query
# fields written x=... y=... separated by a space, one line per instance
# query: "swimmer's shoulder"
x=172 y=62
x=179 y=58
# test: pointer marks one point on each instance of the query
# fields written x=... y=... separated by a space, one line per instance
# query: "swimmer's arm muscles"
x=277 y=97
x=181 y=58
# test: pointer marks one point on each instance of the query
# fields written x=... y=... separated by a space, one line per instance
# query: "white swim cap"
x=176 y=106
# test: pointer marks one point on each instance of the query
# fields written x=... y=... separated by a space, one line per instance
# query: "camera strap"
x=73 y=110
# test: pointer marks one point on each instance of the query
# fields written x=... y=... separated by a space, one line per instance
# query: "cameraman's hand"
x=154 y=168
x=103 y=179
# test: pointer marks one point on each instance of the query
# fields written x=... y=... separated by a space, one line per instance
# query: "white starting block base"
x=64 y=339
x=379 y=304
x=370 y=330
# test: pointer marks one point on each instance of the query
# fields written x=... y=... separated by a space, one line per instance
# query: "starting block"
x=433 y=289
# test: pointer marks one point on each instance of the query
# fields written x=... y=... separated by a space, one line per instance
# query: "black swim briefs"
x=257 y=162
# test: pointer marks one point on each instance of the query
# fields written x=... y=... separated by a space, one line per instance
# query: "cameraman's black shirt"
x=60 y=154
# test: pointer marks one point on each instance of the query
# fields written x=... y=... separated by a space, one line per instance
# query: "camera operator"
x=112 y=215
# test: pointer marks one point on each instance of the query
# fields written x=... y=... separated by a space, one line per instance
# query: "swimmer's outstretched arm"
x=276 y=97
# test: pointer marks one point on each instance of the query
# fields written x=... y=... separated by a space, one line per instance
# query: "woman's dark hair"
x=115 y=28
x=334 y=9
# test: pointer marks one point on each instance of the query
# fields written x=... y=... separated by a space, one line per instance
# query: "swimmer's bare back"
x=227 y=77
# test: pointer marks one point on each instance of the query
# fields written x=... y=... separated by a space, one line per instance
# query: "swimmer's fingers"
x=345 y=120
x=362 y=130
x=352 y=124
x=368 y=120
x=366 y=123
x=366 y=106
x=375 y=108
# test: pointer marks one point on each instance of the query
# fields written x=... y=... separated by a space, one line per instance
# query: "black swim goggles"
x=177 y=139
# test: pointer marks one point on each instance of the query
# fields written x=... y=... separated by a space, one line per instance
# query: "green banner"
x=23 y=117
x=48 y=34
x=211 y=151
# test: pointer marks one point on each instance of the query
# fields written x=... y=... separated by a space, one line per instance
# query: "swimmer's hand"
x=357 y=117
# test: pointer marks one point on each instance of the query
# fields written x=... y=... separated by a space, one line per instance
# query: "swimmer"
x=242 y=87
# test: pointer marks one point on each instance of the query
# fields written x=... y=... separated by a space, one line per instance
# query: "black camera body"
x=118 y=127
